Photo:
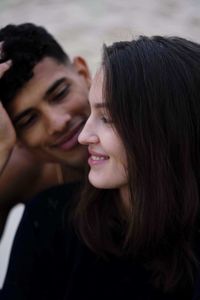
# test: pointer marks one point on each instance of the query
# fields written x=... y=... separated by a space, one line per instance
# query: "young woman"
x=143 y=137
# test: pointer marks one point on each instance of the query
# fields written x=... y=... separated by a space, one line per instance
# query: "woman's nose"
x=88 y=135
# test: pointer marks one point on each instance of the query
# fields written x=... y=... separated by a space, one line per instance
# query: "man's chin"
x=75 y=159
x=44 y=157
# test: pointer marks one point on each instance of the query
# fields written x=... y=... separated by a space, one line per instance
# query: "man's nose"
x=56 y=122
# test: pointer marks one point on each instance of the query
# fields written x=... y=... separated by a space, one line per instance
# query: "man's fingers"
x=1 y=48
x=4 y=67
x=2 y=109
x=7 y=131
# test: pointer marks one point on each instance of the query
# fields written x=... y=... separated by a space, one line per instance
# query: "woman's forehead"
x=96 y=90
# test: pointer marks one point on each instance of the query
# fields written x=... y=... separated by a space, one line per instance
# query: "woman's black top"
x=48 y=261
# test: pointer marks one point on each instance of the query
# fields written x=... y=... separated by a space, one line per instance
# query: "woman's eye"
x=105 y=120
x=62 y=93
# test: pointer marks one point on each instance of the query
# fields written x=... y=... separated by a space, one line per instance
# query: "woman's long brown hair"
x=152 y=89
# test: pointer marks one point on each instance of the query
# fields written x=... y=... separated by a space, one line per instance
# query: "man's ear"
x=81 y=67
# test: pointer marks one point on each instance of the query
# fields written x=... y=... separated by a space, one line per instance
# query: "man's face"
x=51 y=110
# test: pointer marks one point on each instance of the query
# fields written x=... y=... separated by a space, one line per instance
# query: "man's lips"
x=70 y=140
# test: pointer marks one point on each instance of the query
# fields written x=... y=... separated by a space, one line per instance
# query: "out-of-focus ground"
x=82 y=26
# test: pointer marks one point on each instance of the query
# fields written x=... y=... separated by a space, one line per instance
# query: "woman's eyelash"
x=106 y=120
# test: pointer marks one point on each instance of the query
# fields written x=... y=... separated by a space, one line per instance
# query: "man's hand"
x=7 y=137
x=7 y=131
x=5 y=65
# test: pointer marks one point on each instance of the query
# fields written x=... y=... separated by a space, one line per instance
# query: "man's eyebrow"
x=21 y=115
x=54 y=86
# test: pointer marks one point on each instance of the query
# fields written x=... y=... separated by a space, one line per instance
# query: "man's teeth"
x=97 y=157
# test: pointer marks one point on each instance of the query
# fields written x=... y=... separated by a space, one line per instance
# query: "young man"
x=45 y=95
x=45 y=106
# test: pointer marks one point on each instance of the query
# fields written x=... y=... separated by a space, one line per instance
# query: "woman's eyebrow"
x=100 y=105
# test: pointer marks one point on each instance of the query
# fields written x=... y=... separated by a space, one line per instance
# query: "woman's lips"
x=96 y=159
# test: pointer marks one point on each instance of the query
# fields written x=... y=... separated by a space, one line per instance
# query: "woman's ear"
x=81 y=67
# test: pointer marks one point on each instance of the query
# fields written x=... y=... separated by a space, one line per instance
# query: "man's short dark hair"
x=26 y=45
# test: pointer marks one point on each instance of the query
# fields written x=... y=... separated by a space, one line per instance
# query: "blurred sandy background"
x=81 y=26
